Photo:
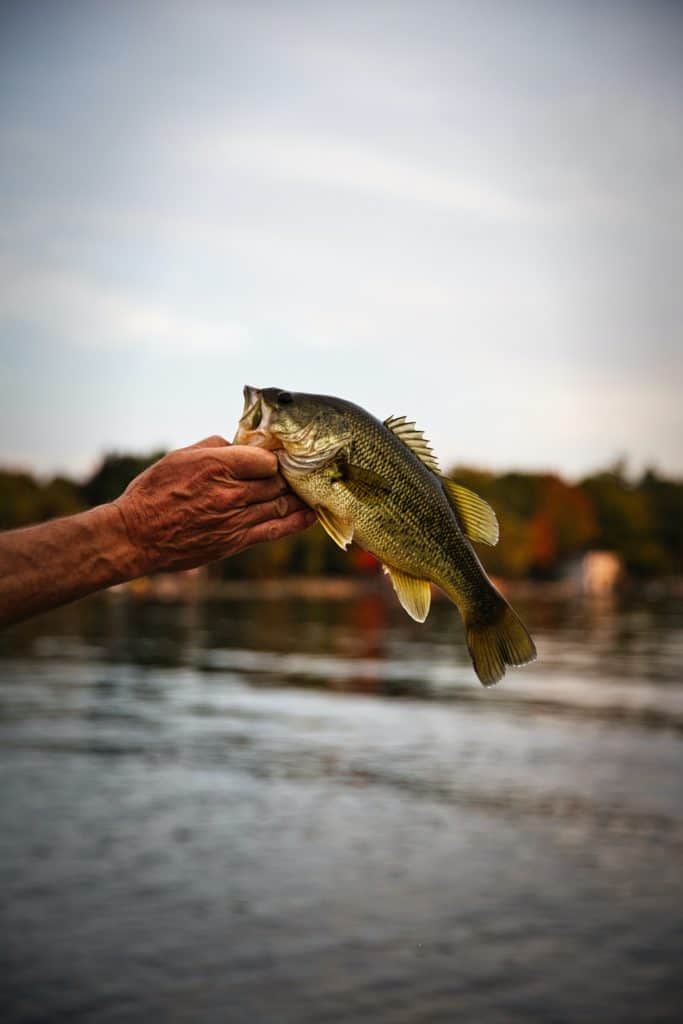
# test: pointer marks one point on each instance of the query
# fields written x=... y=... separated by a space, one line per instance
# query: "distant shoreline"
x=195 y=585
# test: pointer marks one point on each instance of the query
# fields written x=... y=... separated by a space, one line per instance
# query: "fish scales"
x=415 y=528
x=377 y=484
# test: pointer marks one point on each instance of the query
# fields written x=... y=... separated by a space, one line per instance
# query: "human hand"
x=208 y=501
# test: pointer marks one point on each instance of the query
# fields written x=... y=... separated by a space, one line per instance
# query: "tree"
x=114 y=474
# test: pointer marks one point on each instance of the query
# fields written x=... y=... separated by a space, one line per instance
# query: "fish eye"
x=284 y=398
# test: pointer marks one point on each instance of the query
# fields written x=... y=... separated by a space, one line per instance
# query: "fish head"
x=306 y=429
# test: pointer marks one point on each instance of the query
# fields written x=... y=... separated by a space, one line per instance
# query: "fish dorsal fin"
x=415 y=595
x=476 y=516
x=415 y=440
x=338 y=529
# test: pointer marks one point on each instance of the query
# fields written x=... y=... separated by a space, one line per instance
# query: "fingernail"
x=310 y=517
x=282 y=505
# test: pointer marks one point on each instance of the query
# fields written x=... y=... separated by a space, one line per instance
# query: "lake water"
x=310 y=811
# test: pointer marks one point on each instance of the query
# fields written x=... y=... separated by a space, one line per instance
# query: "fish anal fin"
x=337 y=528
x=476 y=516
x=414 y=439
x=414 y=594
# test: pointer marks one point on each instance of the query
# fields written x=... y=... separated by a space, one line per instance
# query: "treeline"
x=545 y=520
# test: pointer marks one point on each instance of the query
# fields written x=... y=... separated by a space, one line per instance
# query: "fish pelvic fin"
x=414 y=594
x=497 y=640
x=335 y=527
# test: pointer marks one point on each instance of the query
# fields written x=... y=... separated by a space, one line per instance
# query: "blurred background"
x=259 y=791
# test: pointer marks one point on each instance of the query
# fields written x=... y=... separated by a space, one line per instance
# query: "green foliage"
x=665 y=499
x=23 y=500
x=114 y=474
x=544 y=520
x=309 y=554
x=642 y=521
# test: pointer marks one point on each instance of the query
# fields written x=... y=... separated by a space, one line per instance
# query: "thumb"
x=215 y=441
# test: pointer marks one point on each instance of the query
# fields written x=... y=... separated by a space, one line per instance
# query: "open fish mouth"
x=254 y=427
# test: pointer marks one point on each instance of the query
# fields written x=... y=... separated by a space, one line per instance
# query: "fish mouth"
x=254 y=427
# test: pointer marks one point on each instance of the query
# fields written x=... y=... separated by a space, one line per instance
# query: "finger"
x=253 y=492
x=277 y=528
x=244 y=462
x=215 y=441
x=280 y=508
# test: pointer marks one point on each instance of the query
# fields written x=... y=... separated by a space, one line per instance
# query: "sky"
x=467 y=213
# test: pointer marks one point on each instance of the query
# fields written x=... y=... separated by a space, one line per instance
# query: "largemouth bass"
x=378 y=484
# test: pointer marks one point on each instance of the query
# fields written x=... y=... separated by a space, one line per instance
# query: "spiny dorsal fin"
x=415 y=595
x=338 y=529
x=414 y=439
x=476 y=515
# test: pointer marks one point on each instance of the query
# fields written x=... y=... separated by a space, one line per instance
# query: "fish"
x=378 y=484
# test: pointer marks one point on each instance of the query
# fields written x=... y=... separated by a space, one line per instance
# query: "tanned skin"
x=195 y=505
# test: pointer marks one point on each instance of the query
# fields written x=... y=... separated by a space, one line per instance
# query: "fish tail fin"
x=497 y=638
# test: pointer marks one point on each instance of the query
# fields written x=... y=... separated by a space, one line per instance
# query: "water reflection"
x=219 y=806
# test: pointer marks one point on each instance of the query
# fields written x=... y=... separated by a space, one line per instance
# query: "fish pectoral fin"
x=414 y=594
x=476 y=516
x=340 y=530
x=366 y=478
x=364 y=484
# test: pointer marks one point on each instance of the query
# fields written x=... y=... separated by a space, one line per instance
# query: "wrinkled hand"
x=207 y=501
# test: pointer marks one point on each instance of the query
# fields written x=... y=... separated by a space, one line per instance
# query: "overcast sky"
x=469 y=213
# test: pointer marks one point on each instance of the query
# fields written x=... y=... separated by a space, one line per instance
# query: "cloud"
x=335 y=164
x=83 y=311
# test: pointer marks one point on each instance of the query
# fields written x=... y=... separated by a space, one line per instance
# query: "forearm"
x=195 y=505
x=59 y=561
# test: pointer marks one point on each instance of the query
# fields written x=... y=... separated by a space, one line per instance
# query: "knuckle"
x=231 y=494
x=240 y=538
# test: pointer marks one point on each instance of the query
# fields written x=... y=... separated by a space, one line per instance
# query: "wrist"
x=127 y=558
